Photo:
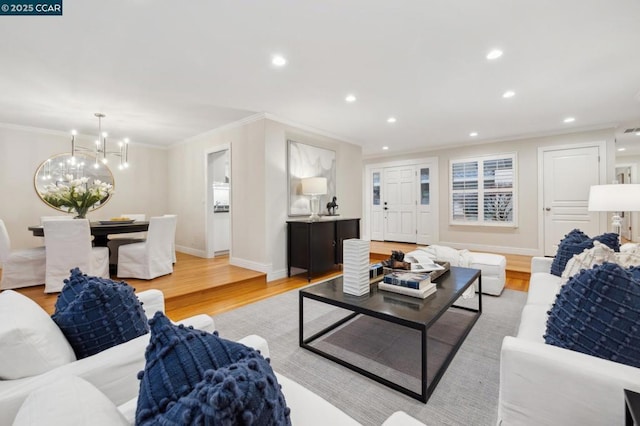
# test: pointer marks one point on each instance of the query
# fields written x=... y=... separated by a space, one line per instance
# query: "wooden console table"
x=317 y=246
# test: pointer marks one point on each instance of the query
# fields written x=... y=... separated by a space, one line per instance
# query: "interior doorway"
x=218 y=201
x=626 y=173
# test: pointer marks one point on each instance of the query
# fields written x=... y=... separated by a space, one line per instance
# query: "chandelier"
x=100 y=150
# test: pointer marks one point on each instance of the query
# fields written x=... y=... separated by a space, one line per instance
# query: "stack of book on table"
x=408 y=283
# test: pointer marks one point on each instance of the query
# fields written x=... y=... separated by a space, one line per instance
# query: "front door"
x=568 y=175
x=399 y=204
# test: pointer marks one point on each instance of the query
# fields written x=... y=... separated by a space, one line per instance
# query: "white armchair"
x=68 y=245
x=20 y=268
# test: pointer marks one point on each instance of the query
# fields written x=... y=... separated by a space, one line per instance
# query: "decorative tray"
x=116 y=222
x=434 y=274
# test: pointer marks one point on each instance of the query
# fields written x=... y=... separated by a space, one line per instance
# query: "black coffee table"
x=438 y=327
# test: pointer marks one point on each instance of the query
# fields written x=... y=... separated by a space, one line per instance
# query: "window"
x=483 y=191
x=376 y=188
x=424 y=186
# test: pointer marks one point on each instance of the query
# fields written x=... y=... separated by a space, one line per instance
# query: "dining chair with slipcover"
x=43 y=219
x=20 y=268
x=173 y=244
x=68 y=245
x=117 y=240
x=151 y=258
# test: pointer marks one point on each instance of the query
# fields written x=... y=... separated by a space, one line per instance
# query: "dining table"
x=101 y=230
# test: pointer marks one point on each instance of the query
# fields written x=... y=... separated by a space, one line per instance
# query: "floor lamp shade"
x=614 y=198
x=314 y=186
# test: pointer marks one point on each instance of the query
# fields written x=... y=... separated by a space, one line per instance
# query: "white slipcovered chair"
x=173 y=243
x=20 y=268
x=152 y=257
x=117 y=240
x=68 y=245
x=43 y=219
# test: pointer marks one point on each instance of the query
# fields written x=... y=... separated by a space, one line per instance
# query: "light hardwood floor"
x=212 y=286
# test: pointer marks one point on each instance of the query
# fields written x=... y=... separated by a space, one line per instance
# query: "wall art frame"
x=304 y=160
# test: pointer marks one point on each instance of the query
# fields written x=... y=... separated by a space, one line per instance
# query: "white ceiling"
x=166 y=70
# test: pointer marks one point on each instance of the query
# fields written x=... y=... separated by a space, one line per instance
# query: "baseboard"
x=276 y=275
x=191 y=251
x=492 y=249
x=250 y=264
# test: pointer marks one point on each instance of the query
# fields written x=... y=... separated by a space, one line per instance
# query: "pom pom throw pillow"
x=179 y=370
x=597 y=312
x=98 y=314
x=576 y=242
x=243 y=393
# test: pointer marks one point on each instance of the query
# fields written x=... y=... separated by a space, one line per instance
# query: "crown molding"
x=233 y=124
x=306 y=128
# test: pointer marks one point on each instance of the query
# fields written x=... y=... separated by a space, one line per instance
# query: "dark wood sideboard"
x=317 y=246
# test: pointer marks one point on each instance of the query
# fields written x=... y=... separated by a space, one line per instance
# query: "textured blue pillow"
x=243 y=393
x=73 y=287
x=575 y=242
x=103 y=314
x=176 y=360
x=597 y=312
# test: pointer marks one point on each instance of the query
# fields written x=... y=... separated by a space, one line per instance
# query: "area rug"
x=466 y=395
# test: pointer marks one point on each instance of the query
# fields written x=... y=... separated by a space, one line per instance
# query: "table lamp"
x=314 y=186
x=614 y=198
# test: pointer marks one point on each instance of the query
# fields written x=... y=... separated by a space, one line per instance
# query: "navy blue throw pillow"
x=597 y=312
x=575 y=242
x=102 y=314
x=176 y=360
x=243 y=393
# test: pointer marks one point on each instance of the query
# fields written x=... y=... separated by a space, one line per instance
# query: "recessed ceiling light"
x=385 y=148
x=622 y=149
x=350 y=98
x=569 y=120
x=279 y=61
x=494 y=54
x=473 y=134
x=509 y=94
x=391 y=120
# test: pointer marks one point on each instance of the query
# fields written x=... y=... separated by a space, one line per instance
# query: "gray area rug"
x=466 y=395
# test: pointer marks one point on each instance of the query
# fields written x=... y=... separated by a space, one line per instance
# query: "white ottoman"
x=493 y=273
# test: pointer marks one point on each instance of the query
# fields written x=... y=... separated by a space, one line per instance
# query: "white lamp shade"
x=314 y=186
x=614 y=198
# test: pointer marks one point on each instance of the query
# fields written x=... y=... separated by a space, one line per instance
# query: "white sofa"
x=542 y=384
x=113 y=373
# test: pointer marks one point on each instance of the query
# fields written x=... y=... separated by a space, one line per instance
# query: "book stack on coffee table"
x=408 y=283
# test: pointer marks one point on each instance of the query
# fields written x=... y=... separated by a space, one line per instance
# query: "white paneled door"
x=399 y=203
x=377 y=212
x=568 y=175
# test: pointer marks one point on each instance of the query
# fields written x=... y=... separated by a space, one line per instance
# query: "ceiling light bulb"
x=473 y=134
x=509 y=94
x=104 y=161
x=105 y=134
x=126 y=140
x=385 y=148
x=126 y=165
x=569 y=120
x=279 y=61
x=96 y=165
x=494 y=54
x=97 y=142
x=350 y=98
x=74 y=132
x=391 y=120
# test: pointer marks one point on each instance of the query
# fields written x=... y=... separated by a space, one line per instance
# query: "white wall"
x=140 y=188
x=348 y=184
x=525 y=238
x=259 y=188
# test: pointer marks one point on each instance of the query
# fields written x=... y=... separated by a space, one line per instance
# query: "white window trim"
x=480 y=221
